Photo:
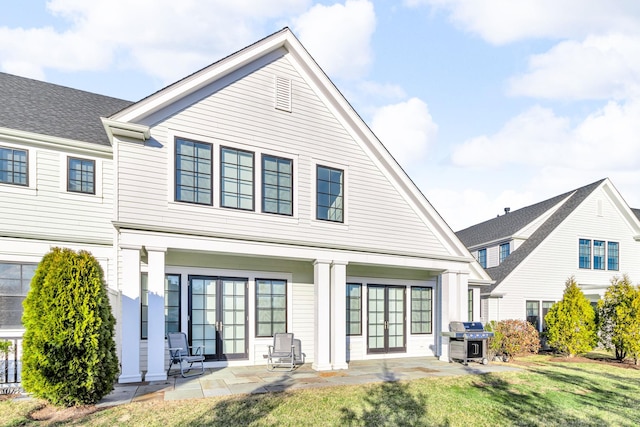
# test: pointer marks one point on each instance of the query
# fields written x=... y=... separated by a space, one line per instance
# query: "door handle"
x=386 y=325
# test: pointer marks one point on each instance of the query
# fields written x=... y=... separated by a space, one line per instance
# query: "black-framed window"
x=277 y=185
x=533 y=313
x=354 y=309
x=81 y=176
x=330 y=194
x=14 y=166
x=505 y=250
x=171 y=304
x=15 y=281
x=194 y=163
x=613 y=254
x=598 y=254
x=470 y=305
x=546 y=306
x=236 y=179
x=421 y=310
x=271 y=307
x=584 y=253
x=482 y=257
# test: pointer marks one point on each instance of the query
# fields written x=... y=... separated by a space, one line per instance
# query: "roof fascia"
x=54 y=142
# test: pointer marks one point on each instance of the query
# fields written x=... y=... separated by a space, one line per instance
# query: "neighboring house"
x=589 y=233
x=56 y=175
x=249 y=198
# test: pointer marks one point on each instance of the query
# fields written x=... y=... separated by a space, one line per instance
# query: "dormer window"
x=505 y=250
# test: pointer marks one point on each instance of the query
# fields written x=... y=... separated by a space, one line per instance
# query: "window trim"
x=617 y=256
x=602 y=255
x=584 y=243
x=482 y=260
x=343 y=188
x=27 y=164
x=348 y=310
x=263 y=184
x=430 y=322
x=95 y=173
x=22 y=265
x=286 y=306
x=537 y=302
x=176 y=186
x=253 y=179
x=501 y=254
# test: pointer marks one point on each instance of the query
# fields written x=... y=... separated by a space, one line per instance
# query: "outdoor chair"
x=285 y=352
x=181 y=353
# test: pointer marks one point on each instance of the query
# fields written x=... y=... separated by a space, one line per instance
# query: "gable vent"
x=283 y=93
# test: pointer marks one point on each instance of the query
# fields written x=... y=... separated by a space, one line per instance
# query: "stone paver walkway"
x=256 y=379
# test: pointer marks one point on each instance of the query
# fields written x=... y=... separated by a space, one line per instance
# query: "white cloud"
x=406 y=129
x=600 y=67
x=339 y=37
x=505 y=21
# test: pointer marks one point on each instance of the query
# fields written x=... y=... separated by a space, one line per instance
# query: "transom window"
x=237 y=179
x=354 y=309
x=15 y=280
x=171 y=304
x=194 y=171
x=277 y=185
x=482 y=257
x=271 y=307
x=421 y=310
x=81 y=176
x=13 y=166
x=505 y=249
x=330 y=194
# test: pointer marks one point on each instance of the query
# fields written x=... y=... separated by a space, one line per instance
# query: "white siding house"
x=589 y=233
x=251 y=251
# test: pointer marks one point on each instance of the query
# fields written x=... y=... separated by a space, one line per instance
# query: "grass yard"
x=548 y=392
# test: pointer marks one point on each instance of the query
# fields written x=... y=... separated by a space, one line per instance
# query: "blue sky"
x=485 y=103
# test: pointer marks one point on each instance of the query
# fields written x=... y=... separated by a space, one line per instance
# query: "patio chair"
x=181 y=353
x=282 y=352
x=298 y=355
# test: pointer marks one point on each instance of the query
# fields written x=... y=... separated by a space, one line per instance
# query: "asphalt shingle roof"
x=504 y=227
x=49 y=109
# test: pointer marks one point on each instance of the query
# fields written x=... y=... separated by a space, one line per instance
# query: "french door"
x=386 y=319
x=218 y=316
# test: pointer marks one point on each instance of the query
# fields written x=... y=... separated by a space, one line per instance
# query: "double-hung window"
x=533 y=313
x=421 y=310
x=584 y=253
x=612 y=256
x=194 y=162
x=277 y=185
x=354 y=309
x=171 y=304
x=271 y=307
x=598 y=255
x=505 y=249
x=482 y=257
x=236 y=189
x=14 y=166
x=81 y=175
x=330 y=194
x=15 y=280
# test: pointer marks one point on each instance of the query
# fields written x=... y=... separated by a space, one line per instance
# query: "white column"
x=130 y=317
x=449 y=308
x=338 y=315
x=476 y=305
x=322 y=322
x=155 y=335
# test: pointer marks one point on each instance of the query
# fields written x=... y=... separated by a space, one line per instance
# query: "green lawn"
x=547 y=393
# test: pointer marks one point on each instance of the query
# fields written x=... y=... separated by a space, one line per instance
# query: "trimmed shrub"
x=619 y=319
x=69 y=355
x=512 y=337
x=571 y=327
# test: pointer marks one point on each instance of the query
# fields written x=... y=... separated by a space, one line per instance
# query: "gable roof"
x=504 y=227
x=143 y=113
x=48 y=109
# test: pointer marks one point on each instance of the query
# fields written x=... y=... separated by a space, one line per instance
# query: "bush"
x=570 y=323
x=512 y=338
x=69 y=355
x=619 y=319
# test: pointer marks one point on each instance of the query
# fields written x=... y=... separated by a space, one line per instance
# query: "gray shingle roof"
x=504 y=227
x=45 y=108
x=636 y=212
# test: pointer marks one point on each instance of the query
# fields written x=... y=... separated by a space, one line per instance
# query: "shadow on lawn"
x=390 y=403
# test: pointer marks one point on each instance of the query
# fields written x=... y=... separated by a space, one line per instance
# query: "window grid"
x=15 y=281
x=277 y=185
x=236 y=171
x=533 y=314
x=504 y=251
x=482 y=257
x=470 y=305
x=171 y=304
x=546 y=306
x=598 y=255
x=271 y=307
x=354 y=309
x=194 y=162
x=14 y=166
x=612 y=256
x=584 y=253
x=81 y=175
x=421 y=310
x=330 y=194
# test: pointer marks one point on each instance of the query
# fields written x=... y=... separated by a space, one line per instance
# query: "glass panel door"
x=234 y=318
x=386 y=319
x=203 y=306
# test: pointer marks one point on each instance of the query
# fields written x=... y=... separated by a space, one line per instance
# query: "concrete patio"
x=256 y=379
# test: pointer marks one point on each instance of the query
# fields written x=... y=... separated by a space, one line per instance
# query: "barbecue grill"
x=467 y=341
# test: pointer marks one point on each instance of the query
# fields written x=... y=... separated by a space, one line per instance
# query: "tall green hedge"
x=69 y=355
